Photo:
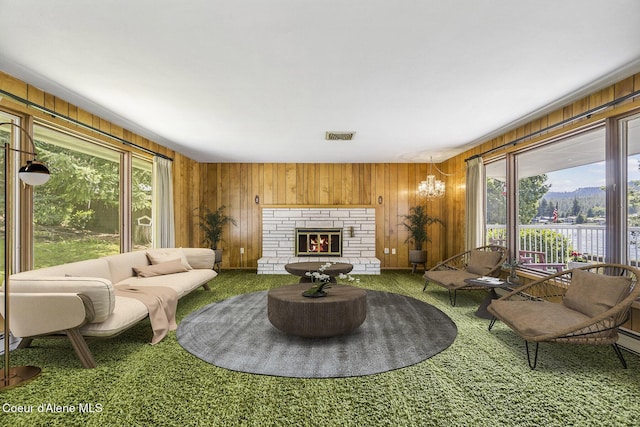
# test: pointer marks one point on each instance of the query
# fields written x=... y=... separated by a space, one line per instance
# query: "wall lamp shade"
x=34 y=173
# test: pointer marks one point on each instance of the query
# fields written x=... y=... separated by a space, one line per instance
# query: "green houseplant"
x=212 y=224
x=416 y=222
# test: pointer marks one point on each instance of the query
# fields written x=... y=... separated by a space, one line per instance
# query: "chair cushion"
x=451 y=279
x=482 y=262
x=592 y=293
x=531 y=319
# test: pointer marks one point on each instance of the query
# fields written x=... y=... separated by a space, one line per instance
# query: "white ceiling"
x=261 y=81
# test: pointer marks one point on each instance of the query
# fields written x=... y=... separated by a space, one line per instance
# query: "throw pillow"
x=157 y=256
x=482 y=262
x=592 y=293
x=168 y=267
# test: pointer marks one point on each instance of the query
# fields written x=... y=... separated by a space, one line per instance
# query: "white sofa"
x=78 y=299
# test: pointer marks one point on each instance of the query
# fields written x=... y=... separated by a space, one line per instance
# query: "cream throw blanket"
x=161 y=303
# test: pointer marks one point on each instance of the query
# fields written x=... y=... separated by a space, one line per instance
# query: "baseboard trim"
x=629 y=340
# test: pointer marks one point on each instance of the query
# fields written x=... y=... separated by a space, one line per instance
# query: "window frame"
x=615 y=185
x=25 y=209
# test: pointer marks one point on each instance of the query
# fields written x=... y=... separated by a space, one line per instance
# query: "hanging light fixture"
x=431 y=188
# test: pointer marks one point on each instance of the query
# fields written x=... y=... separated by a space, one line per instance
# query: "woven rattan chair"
x=585 y=305
x=452 y=273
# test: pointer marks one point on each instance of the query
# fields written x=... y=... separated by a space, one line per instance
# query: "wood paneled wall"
x=235 y=185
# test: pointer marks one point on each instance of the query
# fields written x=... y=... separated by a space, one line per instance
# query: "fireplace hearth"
x=318 y=241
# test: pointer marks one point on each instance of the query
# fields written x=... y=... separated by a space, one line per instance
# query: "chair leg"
x=452 y=297
x=493 y=322
x=535 y=358
x=25 y=343
x=616 y=348
x=81 y=348
x=426 y=282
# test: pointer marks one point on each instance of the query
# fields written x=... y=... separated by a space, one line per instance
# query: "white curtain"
x=164 y=230
x=475 y=204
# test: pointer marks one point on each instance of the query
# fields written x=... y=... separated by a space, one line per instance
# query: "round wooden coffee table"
x=302 y=268
x=340 y=312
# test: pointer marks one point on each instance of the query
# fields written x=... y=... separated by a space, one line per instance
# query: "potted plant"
x=416 y=222
x=512 y=265
x=576 y=260
x=212 y=223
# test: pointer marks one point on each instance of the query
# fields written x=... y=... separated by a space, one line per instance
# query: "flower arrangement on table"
x=512 y=264
x=578 y=257
x=320 y=281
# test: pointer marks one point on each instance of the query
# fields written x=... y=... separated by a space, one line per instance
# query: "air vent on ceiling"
x=339 y=136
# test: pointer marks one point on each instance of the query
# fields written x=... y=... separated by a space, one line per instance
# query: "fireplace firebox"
x=318 y=241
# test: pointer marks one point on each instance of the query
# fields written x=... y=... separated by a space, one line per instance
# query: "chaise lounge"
x=82 y=299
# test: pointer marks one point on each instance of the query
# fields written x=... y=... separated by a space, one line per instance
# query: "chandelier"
x=431 y=188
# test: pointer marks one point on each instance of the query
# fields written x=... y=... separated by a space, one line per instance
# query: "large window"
x=81 y=211
x=559 y=202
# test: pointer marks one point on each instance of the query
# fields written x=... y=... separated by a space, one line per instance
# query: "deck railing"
x=586 y=239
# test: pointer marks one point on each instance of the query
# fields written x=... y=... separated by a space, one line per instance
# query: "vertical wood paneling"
x=379 y=191
x=324 y=184
x=313 y=185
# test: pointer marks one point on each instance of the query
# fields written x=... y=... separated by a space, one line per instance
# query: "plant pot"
x=218 y=259
x=417 y=256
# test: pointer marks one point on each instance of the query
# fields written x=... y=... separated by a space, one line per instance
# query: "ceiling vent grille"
x=339 y=136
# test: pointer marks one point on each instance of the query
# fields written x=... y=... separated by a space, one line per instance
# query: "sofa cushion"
x=592 y=293
x=99 y=290
x=121 y=265
x=128 y=312
x=482 y=262
x=157 y=256
x=168 y=267
x=88 y=268
x=182 y=283
x=200 y=257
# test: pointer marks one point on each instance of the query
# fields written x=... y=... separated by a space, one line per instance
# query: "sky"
x=592 y=175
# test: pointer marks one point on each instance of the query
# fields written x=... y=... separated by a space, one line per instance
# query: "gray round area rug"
x=236 y=334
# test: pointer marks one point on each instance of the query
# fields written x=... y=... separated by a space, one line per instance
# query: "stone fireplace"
x=356 y=227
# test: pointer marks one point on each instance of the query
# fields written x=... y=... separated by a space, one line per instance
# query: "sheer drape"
x=164 y=231
x=475 y=204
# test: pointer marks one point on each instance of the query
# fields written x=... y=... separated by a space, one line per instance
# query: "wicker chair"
x=452 y=273
x=585 y=305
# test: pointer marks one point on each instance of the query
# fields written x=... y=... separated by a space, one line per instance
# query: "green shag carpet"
x=482 y=379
